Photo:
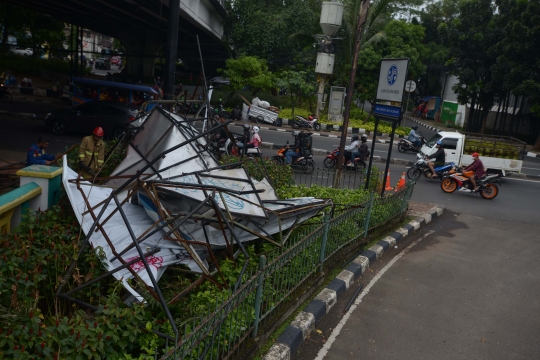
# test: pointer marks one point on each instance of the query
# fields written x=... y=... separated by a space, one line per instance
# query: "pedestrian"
x=36 y=155
x=92 y=154
x=439 y=157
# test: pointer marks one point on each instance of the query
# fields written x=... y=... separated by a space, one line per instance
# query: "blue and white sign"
x=387 y=110
x=392 y=79
x=392 y=75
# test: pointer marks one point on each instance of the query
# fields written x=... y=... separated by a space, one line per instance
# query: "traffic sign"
x=410 y=86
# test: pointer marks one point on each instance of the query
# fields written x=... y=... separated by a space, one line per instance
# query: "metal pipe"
x=354 y=297
x=372 y=152
x=394 y=124
x=146 y=266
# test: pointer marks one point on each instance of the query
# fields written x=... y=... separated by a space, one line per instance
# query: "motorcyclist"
x=294 y=150
x=245 y=136
x=439 y=157
x=364 y=150
x=414 y=137
x=353 y=147
x=255 y=139
x=478 y=169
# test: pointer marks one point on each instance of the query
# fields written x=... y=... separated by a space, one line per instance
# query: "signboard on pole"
x=410 y=86
x=392 y=79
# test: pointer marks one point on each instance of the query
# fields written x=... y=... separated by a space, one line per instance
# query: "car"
x=116 y=60
x=103 y=64
x=17 y=50
x=114 y=117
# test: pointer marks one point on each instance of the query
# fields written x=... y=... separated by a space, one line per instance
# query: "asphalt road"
x=466 y=289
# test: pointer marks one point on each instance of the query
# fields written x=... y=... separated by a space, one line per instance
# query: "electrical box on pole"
x=330 y=21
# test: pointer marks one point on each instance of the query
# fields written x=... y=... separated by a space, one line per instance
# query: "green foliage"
x=248 y=71
x=280 y=176
x=299 y=84
x=339 y=196
x=403 y=40
x=266 y=28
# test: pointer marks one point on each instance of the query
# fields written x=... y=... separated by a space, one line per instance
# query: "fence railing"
x=265 y=292
x=350 y=179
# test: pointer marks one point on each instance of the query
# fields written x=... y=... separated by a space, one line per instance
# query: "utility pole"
x=362 y=16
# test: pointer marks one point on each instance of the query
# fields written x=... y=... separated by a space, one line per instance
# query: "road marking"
x=509 y=178
x=337 y=330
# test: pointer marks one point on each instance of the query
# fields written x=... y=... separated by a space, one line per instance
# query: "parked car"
x=116 y=60
x=103 y=64
x=17 y=50
x=113 y=117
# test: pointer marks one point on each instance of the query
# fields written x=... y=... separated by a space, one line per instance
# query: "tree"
x=298 y=83
x=263 y=28
x=247 y=71
x=471 y=38
x=519 y=51
x=32 y=28
x=403 y=40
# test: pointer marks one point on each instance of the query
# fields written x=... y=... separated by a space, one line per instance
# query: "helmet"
x=98 y=132
x=475 y=154
x=255 y=129
x=439 y=142
x=363 y=137
x=246 y=127
x=295 y=133
x=354 y=137
x=414 y=127
x=310 y=118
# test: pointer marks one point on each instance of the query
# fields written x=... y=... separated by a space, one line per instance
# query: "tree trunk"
x=470 y=120
x=370 y=113
x=496 y=119
x=537 y=143
x=5 y=35
x=503 y=124
x=510 y=128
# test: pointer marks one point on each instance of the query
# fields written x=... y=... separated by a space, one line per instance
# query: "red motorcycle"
x=331 y=160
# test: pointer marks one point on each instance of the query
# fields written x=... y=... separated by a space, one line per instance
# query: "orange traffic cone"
x=388 y=187
x=401 y=182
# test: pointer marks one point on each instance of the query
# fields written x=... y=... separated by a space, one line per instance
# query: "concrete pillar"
x=49 y=179
x=172 y=44
x=141 y=55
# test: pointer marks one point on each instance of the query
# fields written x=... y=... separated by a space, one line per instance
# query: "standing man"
x=92 y=153
x=478 y=169
x=36 y=154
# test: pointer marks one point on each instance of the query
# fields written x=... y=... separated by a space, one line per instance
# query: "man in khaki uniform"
x=92 y=153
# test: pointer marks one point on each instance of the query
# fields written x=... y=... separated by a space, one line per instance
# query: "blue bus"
x=85 y=90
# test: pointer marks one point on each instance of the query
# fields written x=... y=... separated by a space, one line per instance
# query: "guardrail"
x=15 y=203
x=264 y=293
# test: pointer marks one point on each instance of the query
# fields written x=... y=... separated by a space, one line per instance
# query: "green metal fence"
x=264 y=293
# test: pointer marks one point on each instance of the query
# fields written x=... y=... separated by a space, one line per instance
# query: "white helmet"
x=255 y=129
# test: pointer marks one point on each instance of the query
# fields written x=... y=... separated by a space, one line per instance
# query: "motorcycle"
x=304 y=164
x=358 y=164
x=421 y=168
x=460 y=180
x=4 y=94
x=405 y=145
x=300 y=122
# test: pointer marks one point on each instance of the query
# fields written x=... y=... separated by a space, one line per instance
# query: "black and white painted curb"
x=422 y=124
x=299 y=329
x=328 y=128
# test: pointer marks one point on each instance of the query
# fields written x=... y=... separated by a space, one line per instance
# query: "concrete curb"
x=30 y=115
x=299 y=329
x=523 y=176
x=327 y=128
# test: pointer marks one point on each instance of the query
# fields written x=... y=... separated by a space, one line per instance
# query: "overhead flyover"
x=141 y=26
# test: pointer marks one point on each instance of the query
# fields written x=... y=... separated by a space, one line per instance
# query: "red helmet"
x=475 y=154
x=311 y=118
x=98 y=132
